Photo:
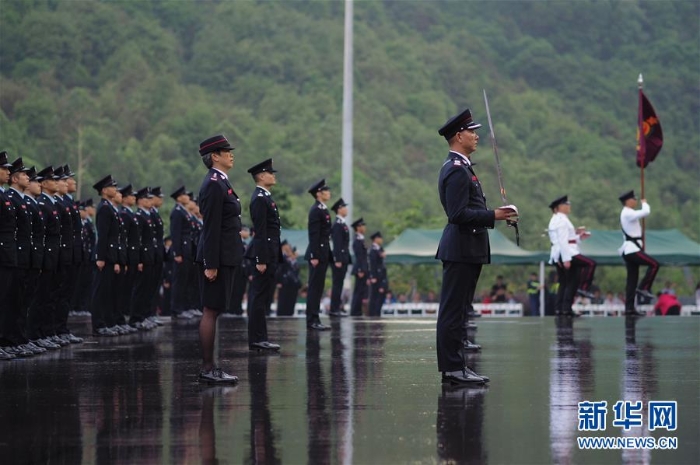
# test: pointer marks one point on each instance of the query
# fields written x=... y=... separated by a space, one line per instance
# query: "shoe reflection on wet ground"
x=367 y=391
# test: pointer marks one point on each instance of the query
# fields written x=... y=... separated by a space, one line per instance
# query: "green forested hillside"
x=131 y=87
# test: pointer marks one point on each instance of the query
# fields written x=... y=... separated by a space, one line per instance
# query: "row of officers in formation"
x=119 y=267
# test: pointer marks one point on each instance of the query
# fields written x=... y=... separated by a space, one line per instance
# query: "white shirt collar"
x=261 y=187
x=360 y=236
x=340 y=218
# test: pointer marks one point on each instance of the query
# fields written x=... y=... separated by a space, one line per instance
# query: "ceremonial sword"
x=499 y=173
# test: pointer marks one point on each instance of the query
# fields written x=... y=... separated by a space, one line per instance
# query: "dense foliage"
x=130 y=88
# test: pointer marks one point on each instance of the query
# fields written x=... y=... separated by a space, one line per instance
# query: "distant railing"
x=499 y=310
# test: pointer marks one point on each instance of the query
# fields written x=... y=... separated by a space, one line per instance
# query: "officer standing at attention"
x=181 y=233
x=340 y=234
x=156 y=203
x=10 y=334
x=40 y=318
x=147 y=282
x=464 y=246
x=265 y=254
x=8 y=248
x=360 y=269
x=107 y=259
x=318 y=253
x=377 y=275
x=575 y=268
x=131 y=242
x=633 y=254
x=220 y=249
x=288 y=280
x=74 y=271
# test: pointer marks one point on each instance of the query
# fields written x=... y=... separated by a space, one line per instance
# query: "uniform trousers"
x=68 y=283
x=125 y=282
x=562 y=274
x=359 y=294
x=287 y=299
x=376 y=298
x=155 y=298
x=239 y=288
x=633 y=261
x=458 y=286
x=83 y=291
x=29 y=289
x=143 y=294
x=12 y=308
x=580 y=264
x=104 y=305
x=262 y=289
x=182 y=274
x=338 y=277
x=317 y=281
x=8 y=311
x=40 y=317
x=587 y=270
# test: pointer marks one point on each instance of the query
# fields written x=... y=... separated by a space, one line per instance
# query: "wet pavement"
x=366 y=392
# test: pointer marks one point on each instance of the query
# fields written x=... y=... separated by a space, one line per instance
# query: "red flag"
x=648 y=146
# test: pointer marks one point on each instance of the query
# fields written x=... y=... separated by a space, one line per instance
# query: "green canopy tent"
x=415 y=246
x=668 y=246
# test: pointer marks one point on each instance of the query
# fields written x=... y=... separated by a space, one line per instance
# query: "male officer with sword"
x=464 y=246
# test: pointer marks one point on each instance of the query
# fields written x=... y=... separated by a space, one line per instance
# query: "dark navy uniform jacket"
x=265 y=246
x=8 y=232
x=147 y=228
x=377 y=269
x=64 y=212
x=181 y=232
x=341 y=242
x=288 y=273
x=158 y=230
x=77 y=230
x=220 y=243
x=38 y=232
x=319 y=230
x=52 y=237
x=108 y=227
x=131 y=239
x=24 y=228
x=90 y=239
x=359 y=248
x=465 y=238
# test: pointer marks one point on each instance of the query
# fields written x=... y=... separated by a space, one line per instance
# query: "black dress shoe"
x=469 y=346
x=571 y=315
x=635 y=313
x=318 y=327
x=337 y=314
x=586 y=294
x=473 y=373
x=104 y=332
x=461 y=377
x=645 y=293
x=264 y=346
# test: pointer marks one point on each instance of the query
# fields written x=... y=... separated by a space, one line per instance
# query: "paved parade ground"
x=366 y=392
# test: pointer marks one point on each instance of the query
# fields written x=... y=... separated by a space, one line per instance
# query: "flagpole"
x=642 y=148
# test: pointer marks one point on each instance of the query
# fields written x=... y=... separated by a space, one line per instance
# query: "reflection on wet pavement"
x=366 y=392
